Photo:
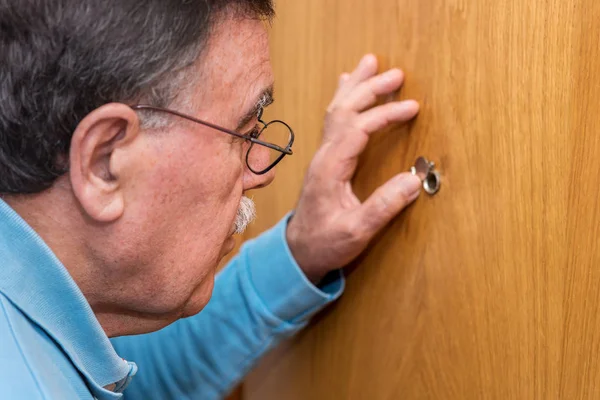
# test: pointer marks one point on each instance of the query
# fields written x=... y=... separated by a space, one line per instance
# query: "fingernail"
x=410 y=185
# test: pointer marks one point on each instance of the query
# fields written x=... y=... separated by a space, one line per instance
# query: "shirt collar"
x=39 y=285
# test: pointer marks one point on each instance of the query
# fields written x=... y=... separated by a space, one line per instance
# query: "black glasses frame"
x=285 y=151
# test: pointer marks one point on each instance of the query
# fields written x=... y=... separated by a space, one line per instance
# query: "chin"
x=200 y=298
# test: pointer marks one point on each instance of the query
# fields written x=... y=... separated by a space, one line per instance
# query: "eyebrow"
x=264 y=100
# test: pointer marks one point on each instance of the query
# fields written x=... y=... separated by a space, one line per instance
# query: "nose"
x=253 y=181
x=260 y=158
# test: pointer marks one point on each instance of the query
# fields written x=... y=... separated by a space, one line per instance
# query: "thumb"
x=388 y=200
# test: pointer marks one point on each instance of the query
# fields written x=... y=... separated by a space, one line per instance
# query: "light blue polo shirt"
x=52 y=346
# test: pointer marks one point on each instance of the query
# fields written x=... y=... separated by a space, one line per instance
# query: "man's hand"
x=331 y=227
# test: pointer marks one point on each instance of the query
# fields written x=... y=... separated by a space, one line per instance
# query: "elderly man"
x=129 y=133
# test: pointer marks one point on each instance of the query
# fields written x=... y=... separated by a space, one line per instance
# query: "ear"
x=99 y=146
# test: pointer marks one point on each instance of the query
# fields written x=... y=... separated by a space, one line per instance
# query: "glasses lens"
x=261 y=157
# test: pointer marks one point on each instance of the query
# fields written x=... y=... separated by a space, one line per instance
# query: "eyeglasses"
x=276 y=139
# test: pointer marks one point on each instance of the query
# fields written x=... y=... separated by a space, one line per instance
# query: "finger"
x=387 y=201
x=365 y=94
x=379 y=117
x=367 y=67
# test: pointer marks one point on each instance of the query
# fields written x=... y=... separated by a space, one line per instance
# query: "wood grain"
x=490 y=289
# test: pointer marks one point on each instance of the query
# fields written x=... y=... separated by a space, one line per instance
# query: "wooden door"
x=491 y=288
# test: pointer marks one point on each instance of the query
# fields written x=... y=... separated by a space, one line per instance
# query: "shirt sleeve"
x=260 y=298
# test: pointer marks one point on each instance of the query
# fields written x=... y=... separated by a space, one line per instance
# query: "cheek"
x=199 y=202
x=178 y=220
x=202 y=201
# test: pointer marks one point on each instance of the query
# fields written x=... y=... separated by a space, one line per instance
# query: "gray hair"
x=61 y=59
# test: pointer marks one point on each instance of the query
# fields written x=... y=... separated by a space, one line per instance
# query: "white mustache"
x=245 y=215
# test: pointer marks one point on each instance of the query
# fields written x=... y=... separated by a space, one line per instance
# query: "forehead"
x=236 y=64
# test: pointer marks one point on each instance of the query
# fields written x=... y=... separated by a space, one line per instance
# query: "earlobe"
x=95 y=173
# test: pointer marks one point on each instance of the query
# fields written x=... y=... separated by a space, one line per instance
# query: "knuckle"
x=353 y=232
x=387 y=203
x=384 y=208
x=336 y=118
x=383 y=203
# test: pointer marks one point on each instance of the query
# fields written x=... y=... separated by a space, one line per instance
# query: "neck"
x=57 y=219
